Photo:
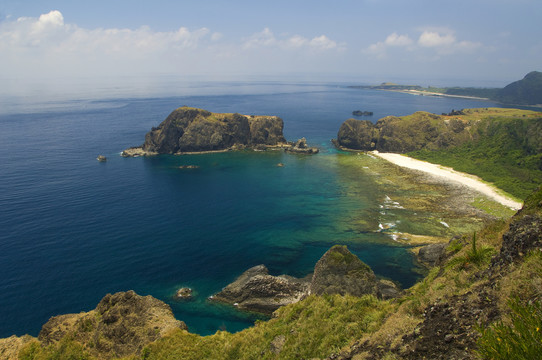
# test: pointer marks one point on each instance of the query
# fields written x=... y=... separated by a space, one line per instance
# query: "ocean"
x=74 y=229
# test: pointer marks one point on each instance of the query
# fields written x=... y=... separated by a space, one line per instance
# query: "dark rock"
x=301 y=147
x=387 y=289
x=432 y=254
x=362 y=113
x=340 y=272
x=358 y=135
x=525 y=231
x=256 y=290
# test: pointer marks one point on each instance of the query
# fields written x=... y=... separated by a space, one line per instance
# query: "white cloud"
x=398 y=40
x=440 y=41
x=434 y=39
x=323 y=42
x=393 y=40
x=266 y=38
x=263 y=38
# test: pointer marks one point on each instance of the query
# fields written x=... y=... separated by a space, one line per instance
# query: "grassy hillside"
x=505 y=148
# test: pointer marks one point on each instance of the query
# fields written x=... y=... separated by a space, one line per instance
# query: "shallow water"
x=74 y=229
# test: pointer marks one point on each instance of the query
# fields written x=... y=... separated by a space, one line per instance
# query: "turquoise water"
x=74 y=229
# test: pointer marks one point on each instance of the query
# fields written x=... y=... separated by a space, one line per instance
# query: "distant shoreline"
x=436 y=94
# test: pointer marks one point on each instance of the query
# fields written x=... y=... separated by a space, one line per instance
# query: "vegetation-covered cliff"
x=527 y=91
x=189 y=129
x=502 y=146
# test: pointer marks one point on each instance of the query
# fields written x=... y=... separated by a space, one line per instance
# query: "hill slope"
x=527 y=91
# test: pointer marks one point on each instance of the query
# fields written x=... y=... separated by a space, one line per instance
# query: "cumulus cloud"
x=398 y=40
x=48 y=45
x=434 y=39
x=266 y=38
x=393 y=40
x=442 y=42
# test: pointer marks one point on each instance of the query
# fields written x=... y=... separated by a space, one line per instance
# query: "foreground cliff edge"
x=455 y=312
x=191 y=130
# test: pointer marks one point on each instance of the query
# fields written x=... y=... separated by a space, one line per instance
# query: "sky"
x=460 y=42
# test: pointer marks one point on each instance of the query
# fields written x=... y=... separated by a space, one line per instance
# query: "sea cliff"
x=192 y=130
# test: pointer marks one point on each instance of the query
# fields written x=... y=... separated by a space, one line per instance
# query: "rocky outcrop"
x=300 y=147
x=340 y=272
x=188 y=130
x=432 y=254
x=524 y=233
x=121 y=325
x=10 y=347
x=337 y=272
x=256 y=290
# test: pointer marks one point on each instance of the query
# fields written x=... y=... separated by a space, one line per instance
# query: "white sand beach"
x=450 y=174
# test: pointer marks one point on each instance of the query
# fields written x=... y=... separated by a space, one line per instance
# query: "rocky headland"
x=121 y=325
x=337 y=272
x=192 y=130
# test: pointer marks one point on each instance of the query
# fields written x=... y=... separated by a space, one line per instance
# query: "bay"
x=74 y=229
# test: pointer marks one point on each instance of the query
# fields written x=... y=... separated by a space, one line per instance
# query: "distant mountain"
x=527 y=91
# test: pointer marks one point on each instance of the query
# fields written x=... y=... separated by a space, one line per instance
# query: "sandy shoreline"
x=451 y=175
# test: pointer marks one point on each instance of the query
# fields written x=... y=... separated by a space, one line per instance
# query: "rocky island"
x=192 y=130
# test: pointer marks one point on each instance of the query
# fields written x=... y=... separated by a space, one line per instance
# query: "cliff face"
x=422 y=130
x=193 y=130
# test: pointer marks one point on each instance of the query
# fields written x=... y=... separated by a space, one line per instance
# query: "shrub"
x=521 y=339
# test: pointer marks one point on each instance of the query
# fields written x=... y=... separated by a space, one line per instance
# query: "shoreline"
x=450 y=175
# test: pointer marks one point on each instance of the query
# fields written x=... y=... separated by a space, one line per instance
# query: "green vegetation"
x=66 y=349
x=476 y=256
x=527 y=91
x=519 y=339
x=506 y=150
x=312 y=328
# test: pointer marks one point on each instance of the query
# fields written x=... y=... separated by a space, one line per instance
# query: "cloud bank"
x=49 y=45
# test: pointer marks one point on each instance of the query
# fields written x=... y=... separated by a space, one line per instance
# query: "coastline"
x=450 y=175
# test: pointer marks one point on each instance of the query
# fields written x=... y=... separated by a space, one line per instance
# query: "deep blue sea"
x=74 y=229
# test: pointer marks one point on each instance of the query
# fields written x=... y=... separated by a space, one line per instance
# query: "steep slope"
x=189 y=129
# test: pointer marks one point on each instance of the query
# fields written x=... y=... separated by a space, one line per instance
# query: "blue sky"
x=467 y=42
